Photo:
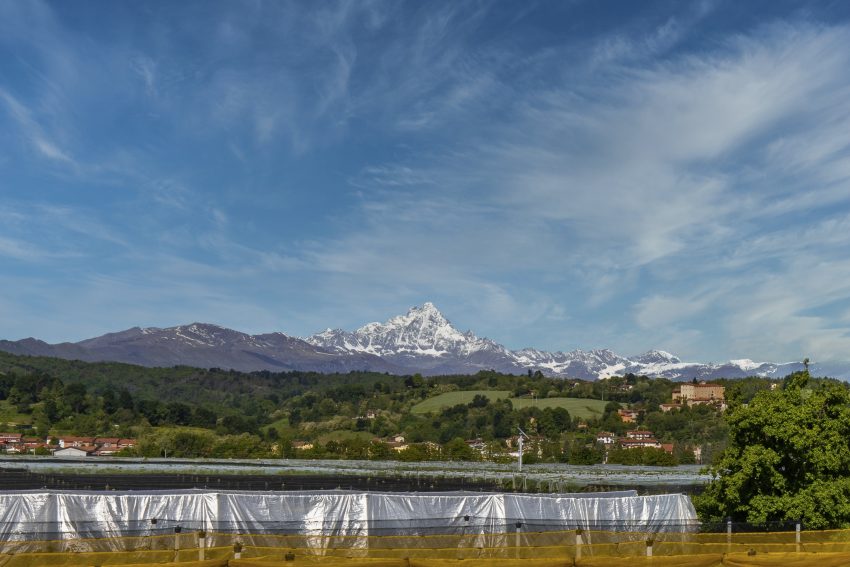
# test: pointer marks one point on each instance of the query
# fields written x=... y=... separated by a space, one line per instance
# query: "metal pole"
x=519 y=462
x=579 y=543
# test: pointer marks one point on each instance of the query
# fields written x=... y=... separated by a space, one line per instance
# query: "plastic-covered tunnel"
x=57 y=515
x=356 y=529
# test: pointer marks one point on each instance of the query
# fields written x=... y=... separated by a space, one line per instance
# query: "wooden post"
x=797 y=536
x=177 y=530
x=518 y=538
x=579 y=543
x=729 y=533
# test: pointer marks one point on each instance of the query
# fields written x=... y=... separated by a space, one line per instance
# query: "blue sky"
x=629 y=175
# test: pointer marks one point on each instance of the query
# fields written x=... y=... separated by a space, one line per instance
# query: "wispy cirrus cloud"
x=645 y=169
x=33 y=131
x=550 y=176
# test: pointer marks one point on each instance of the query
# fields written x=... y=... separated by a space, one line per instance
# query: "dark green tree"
x=788 y=458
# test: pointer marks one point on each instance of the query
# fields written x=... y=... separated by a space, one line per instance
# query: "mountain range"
x=420 y=341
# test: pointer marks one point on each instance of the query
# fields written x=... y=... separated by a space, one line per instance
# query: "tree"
x=458 y=450
x=788 y=458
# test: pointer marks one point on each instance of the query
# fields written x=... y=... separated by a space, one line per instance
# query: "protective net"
x=533 y=549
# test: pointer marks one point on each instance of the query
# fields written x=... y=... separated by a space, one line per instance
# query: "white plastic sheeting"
x=31 y=515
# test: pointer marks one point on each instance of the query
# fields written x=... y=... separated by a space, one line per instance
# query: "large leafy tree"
x=788 y=458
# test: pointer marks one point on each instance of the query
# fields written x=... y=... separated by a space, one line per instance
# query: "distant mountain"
x=425 y=341
x=422 y=340
x=205 y=346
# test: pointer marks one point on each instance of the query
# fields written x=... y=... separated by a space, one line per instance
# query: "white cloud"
x=33 y=131
x=636 y=170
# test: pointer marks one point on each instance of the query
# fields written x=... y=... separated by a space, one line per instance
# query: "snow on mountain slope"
x=422 y=331
x=422 y=340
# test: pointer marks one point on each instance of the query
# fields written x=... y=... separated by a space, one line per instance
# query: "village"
x=684 y=395
x=533 y=446
x=63 y=446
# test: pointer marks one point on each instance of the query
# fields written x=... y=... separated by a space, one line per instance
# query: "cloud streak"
x=654 y=180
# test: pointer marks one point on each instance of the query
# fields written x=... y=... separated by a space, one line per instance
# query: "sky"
x=624 y=175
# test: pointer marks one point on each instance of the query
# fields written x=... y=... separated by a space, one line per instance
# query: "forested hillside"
x=190 y=412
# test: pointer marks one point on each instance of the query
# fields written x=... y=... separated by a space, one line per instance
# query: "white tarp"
x=664 y=512
x=36 y=515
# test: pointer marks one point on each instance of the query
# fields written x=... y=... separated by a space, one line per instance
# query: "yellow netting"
x=546 y=549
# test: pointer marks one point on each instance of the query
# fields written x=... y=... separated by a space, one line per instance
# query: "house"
x=397 y=446
x=107 y=446
x=667 y=407
x=702 y=393
x=70 y=441
x=628 y=415
x=640 y=444
x=668 y=448
x=639 y=434
x=11 y=442
x=606 y=438
x=10 y=438
x=30 y=444
x=302 y=445
x=106 y=451
x=477 y=444
x=72 y=452
x=698 y=454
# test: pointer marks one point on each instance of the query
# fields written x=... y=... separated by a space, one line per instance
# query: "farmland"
x=578 y=407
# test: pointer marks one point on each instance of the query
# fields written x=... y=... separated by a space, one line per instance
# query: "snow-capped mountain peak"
x=426 y=341
x=421 y=340
x=656 y=357
x=421 y=331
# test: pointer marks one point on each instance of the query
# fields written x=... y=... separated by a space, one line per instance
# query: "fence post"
x=202 y=544
x=177 y=530
x=797 y=536
x=729 y=533
x=237 y=550
x=649 y=544
x=152 y=533
x=518 y=538
x=579 y=543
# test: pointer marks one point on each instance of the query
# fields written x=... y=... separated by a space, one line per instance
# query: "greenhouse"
x=57 y=515
x=202 y=528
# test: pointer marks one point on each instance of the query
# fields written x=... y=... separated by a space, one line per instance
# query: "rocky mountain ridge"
x=422 y=340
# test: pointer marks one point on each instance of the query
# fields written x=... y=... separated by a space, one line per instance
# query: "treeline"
x=74 y=408
x=184 y=411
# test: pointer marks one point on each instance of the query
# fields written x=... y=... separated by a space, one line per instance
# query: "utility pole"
x=519 y=443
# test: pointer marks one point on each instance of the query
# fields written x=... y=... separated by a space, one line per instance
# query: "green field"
x=578 y=407
x=450 y=399
x=9 y=415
